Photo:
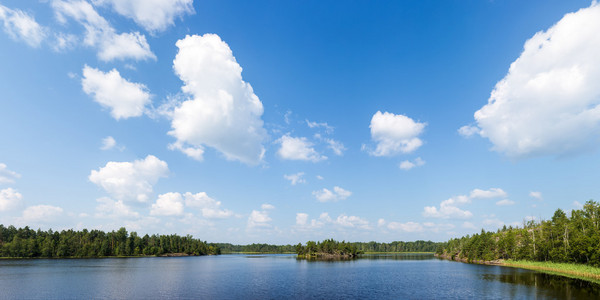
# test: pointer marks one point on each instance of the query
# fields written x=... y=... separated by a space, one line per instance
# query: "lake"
x=279 y=277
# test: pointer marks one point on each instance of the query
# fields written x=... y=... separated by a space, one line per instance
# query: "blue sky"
x=280 y=122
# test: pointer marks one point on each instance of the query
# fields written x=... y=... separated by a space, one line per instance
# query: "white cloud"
x=295 y=178
x=124 y=99
x=108 y=143
x=352 y=221
x=6 y=175
x=549 y=102
x=381 y=222
x=536 y=195
x=100 y=34
x=407 y=164
x=130 y=181
x=267 y=206
x=449 y=208
x=209 y=207
x=168 y=204
x=487 y=194
x=41 y=213
x=395 y=134
x=468 y=131
x=505 y=202
x=406 y=227
x=326 y=195
x=446 y=212
x=64 y=41
x=336 y=146
x=577 y=205
x=320 y=177
x=300 y=148
x=301 y=219
x=224 y=113
x=324 y=125
x=21 y=26
x=259 y=219
x=108 y=208
x=153 y=15
x=9 y=199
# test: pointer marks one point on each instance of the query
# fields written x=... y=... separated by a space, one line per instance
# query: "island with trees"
x=327 y=249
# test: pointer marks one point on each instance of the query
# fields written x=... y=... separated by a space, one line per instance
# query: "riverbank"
x=578 y=271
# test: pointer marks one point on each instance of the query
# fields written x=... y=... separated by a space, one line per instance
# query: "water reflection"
x=557 y=286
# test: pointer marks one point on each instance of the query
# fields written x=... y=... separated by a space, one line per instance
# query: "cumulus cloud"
x=549 y=102
x=395 y=134
x=21 y=26
x=259 y=219
x=298 y=148
x=295 y=178
x=108 y=143
x=342 y=221
x=108 y=208
x=168 y=204
x=130 y=181
x=326 y=195
x=468 y=131
x=505 y=202
x=352 y=221
x=6 y=175
x=41 y=213
x=223 y=112
x=124 y=99
x=449 y=208
x=301 y=219
x=407 y=164
x=9 y=199
x=486 y=194
x=381 y=222
x=153 y=15
x=209 y=207
x=406 y=227
x=100 y=34
x=536 y=195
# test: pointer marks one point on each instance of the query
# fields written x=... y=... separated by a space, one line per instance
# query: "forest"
x=562 y=239
x=26 y=242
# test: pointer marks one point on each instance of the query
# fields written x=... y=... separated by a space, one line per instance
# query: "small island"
x=327 y=249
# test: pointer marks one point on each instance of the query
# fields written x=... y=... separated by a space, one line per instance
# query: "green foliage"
x=561 y=239
x=327 y=247
x=25 y=242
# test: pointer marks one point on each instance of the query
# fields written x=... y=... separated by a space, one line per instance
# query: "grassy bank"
x=565 y=269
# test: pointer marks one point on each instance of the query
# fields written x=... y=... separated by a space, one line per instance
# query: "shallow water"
x=278 y=277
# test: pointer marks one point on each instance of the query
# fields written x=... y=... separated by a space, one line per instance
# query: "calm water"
x=279 y=277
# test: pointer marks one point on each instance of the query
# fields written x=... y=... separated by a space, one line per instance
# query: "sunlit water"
x=279 y=277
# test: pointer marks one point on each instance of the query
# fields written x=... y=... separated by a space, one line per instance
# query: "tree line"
x=569 y=239
x=254 y=248
x=26 y=242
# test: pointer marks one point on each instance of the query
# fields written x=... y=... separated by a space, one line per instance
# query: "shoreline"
x=592 y=274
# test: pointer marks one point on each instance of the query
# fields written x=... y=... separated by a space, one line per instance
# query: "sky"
x=282 y=122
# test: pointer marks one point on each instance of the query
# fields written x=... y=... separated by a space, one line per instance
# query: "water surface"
x=278 y=277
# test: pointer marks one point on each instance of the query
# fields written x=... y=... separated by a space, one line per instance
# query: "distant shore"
x=570 y=270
